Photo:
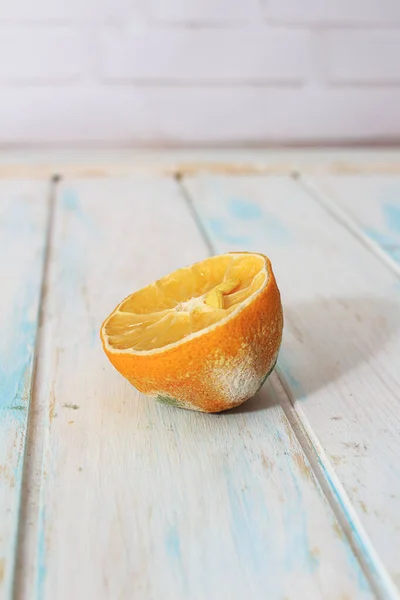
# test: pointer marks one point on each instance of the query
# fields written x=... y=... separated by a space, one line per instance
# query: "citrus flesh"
x=204 y=337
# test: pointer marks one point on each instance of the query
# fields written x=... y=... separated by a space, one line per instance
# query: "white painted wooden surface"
x=340 y=357
x=23 y=220
x=370 y=204
x=144 y=501
x=124 y=498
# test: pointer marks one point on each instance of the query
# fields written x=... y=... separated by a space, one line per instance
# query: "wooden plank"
x=372 y=203
x=341 y=346
x=23 y=221
x=77 y=162
x=147 y=501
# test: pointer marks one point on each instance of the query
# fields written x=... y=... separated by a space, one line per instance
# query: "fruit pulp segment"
x=178 y=305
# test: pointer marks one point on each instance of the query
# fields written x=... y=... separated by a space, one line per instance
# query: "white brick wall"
x=37 y=55
x=199 y=71
x=205 y=11
x=371 y=56
x=349 y=12
x=211 y=55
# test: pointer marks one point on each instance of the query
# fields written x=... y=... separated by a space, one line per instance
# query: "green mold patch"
x=170 y=401
x=266 y=376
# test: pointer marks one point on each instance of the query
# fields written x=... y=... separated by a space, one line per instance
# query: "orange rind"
x=204 y=337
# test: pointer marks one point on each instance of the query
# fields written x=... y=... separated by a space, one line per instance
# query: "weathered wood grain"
x=341 y=348
x=23 y=222
x=372 y=203
x=78 y=162
x=141 y=500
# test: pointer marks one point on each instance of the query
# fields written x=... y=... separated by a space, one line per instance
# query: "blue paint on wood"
x=69 y=200
x=174 y=552
x=173 y=544
x=22 y=242
x=41 y=556
x=274 y=229
x=392 y=217
x=253 y=527
x=219 y=229
x=81 y=231
x=252 y=532
x=284 y=369
x=247 y=516
x=72 y=205
x=243 y=224
x=16 y=353
x=387 y=236
x=244 y=209
x=298 y=553
x=387 y=242
x=294 y=383
x=343 y=503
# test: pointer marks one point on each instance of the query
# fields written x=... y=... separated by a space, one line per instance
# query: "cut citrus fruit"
x=204 y=337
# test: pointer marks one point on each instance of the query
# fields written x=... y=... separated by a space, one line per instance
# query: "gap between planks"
x=335 y=494
x=29 y=513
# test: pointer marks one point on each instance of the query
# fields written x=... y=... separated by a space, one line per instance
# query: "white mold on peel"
x=237 y=378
